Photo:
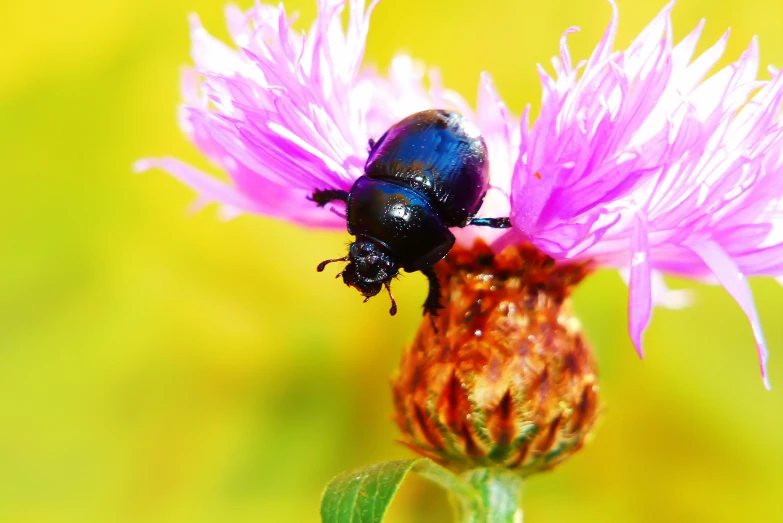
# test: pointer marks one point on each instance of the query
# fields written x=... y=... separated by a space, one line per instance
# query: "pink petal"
x=732 y=279
x=209 y=188
x=640 y=284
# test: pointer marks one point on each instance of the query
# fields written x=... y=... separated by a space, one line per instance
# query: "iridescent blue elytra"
x=427 y=173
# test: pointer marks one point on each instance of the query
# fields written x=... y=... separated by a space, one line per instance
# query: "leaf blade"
x=364 y=495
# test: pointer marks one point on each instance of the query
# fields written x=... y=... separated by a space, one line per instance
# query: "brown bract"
x=506 y=377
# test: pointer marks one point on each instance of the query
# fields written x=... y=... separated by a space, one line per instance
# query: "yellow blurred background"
x=161 y=367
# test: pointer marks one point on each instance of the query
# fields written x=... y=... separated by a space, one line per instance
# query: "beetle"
x=427 y=173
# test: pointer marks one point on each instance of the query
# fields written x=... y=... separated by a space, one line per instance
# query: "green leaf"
x=362 y=496
x=479 y=495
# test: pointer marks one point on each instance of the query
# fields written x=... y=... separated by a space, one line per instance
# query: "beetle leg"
x=393 y=309
x=432 y=303
x=323 y=196
x=496 y=223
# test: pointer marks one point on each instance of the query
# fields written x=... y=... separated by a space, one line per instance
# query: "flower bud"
x=503 y=376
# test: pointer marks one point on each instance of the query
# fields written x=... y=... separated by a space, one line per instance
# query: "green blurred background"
x=160 y=367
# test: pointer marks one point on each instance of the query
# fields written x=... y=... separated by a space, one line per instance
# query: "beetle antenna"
x=393 y=309
x=323 y=264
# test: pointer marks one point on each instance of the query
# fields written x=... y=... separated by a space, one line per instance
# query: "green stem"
x=499 y=492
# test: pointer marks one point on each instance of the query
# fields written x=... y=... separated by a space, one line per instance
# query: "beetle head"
x=370 y=268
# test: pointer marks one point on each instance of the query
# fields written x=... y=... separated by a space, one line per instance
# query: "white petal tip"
x=677 y=299
x=196 y=207
x=143 y=165
x=766 y=383
x=228 y=213
x=194 y=21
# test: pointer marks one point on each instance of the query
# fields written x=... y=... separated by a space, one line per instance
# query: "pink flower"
x=635 y=161
x=639 y=163
x=286 y=113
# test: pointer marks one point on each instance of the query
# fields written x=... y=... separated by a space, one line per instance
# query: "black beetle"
x=427 y=173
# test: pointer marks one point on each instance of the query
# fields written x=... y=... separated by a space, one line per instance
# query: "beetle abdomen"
x=440 y=154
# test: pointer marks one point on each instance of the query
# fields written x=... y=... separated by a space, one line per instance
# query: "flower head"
x=639 y=163
x=504 y=375
x=286 y=113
